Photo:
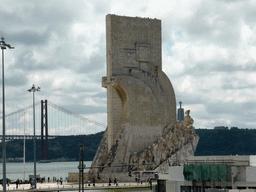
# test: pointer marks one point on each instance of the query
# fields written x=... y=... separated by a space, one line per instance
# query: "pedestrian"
x=116 y=182
x=17 y=183
x=93 y=182
x=61 y=180
x=109 y=182
x=48 y=179
x=30 y=181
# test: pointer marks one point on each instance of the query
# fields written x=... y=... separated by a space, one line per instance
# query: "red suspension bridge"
x=51 y=121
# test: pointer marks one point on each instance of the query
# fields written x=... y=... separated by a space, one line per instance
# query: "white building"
x=222 y=172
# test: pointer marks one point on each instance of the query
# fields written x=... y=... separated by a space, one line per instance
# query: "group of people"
x=59 y=181
x=38 y=180
x=115 y=182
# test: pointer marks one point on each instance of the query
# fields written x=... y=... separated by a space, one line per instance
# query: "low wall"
x=74 y=177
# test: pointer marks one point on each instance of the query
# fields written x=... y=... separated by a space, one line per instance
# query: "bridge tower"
x=44 y=135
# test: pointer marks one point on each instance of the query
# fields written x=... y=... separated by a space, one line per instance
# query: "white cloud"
x=208 y=53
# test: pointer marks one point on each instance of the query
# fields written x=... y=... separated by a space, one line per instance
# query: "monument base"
x=178 y=158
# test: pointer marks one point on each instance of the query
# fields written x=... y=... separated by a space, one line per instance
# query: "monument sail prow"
x=143 y=132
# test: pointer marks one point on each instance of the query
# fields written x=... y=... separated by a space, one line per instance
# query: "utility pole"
x=3 y=46
x=81 y=167
x=33 y=89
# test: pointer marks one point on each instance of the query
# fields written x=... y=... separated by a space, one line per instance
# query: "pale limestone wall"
x=140 y=98
x=134 y=70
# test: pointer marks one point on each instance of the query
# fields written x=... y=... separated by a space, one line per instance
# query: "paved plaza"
x=67 y=186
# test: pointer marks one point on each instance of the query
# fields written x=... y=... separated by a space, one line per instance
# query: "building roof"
x=239 y=160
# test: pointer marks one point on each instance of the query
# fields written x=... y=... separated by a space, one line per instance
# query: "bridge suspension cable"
x=21 y=110
x=60 y=122
x=76 y=116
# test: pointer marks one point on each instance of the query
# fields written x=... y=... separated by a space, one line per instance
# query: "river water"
x=15 y=171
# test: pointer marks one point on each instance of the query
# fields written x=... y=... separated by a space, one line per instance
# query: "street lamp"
x=33 y=89
x=3 y=46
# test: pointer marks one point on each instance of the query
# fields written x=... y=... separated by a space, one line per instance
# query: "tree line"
x=211 y=142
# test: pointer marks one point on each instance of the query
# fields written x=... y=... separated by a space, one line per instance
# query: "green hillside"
x=226 y=142
x=211 y=142
x=62 y=147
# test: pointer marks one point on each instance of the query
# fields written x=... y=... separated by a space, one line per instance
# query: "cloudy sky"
x=208 y=50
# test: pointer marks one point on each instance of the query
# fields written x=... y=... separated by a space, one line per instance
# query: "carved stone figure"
x=188 y=120
x=134 y=158
x=148 y=156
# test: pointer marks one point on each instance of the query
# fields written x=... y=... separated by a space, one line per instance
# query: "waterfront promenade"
x=69 y=186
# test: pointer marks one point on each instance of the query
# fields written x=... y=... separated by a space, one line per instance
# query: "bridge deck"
x=27 y=137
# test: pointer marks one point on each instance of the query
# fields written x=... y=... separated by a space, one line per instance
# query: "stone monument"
x=142 y=133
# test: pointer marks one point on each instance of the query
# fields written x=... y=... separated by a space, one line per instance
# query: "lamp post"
x=3 y=46
x=33 y=89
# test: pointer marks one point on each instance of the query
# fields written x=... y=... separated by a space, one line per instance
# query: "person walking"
x=17 y=183
x=31 y=184
x=93 y=182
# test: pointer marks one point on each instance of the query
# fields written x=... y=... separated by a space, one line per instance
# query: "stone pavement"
x=71 y=186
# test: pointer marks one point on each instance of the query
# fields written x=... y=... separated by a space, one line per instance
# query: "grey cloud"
x=229 y=85
x=248 y=12
x=101 y=8
x=45 y=29
x=16 y=80
x=215 y=66
x=96 y=63
x=81 y=109
x=102 y=95
x=82 y=89
x=223 y=29
x=143 y=9
x=189 y=99
x=234 y=82
x=241 y=110
x=32 y=22
x=14 y=77
x=220 y=113
x=231 y=1
x=29 y=38
x=26 y=62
